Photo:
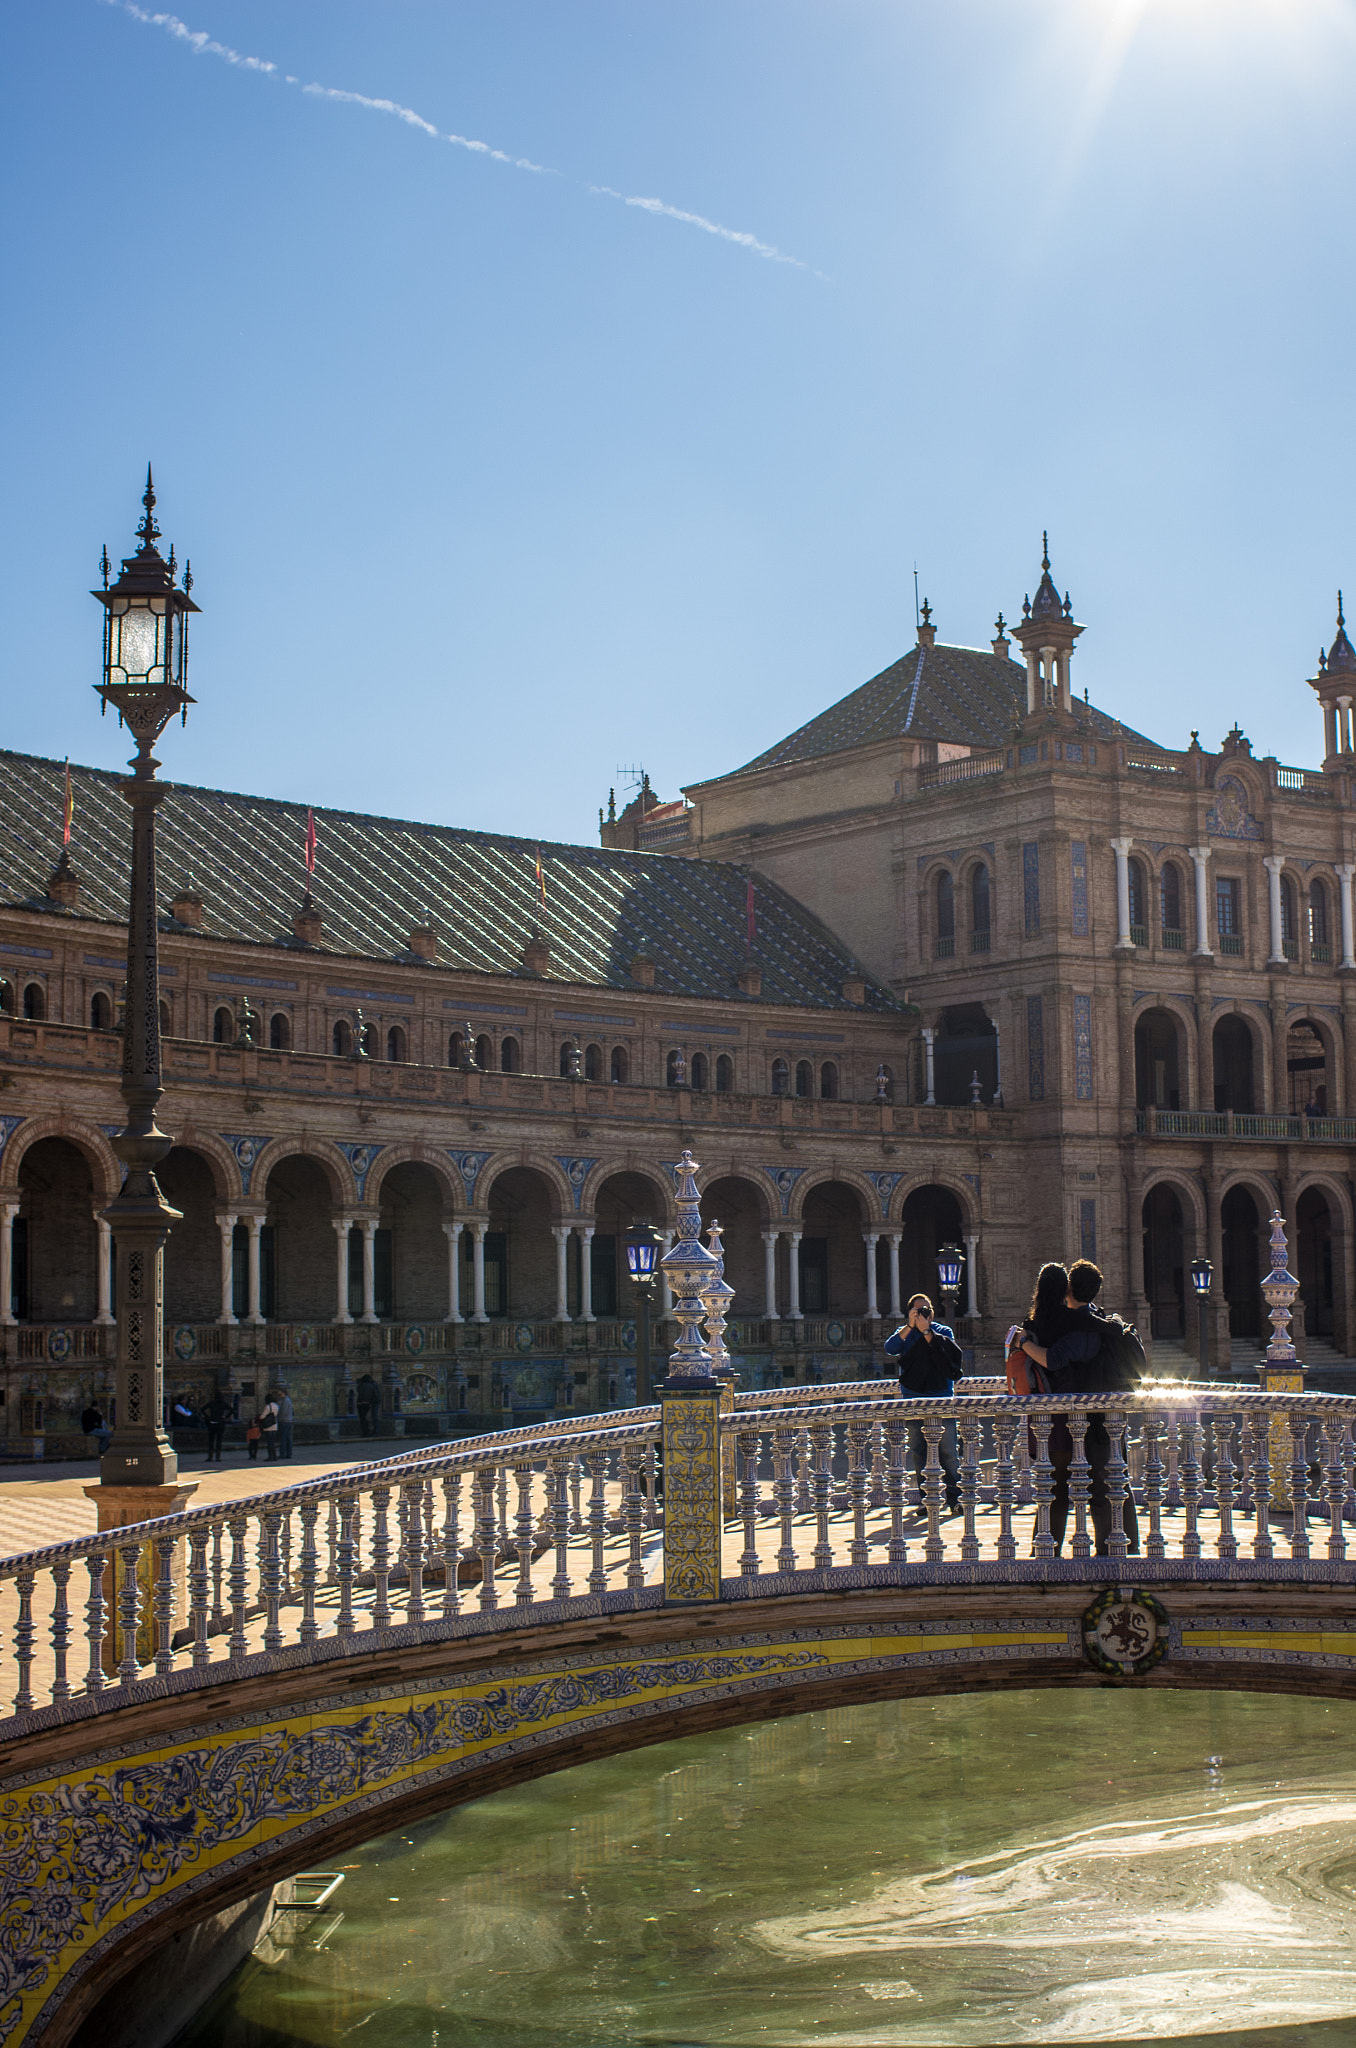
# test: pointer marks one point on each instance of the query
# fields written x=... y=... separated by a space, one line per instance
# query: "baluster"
x=451 y=1544
x=1004 y=1478
x=558 y=1488
x=859 y=1480
x=163 y=1606
x=61 y=1629
x=199 y=1592
x=1026 y=1489
x=1153 y=1485
x=633 y=1514
x=1299 y=1485
x=502 y=1479
x=821 y=1442
x=747 y=1442
x=129 y=1611
x=412 y=1500
x=879 y=1493
x=1080 y=1481
x=25 y=1636
x=934 y=1549
x=1335 y=1435
x=897 y=1444
x=97 y=1562
x=804 y=1468
x=285 y=1558
x=1259 y=1436
x=487 y=1535
x=218 y=1575
x=309 y=1572
x=1225 y=1469
x=1209 y=1498
x=576 y=1491
x=597 y=1468
x=1349 y=1466
x=968 y=1427
x=346 y=1564
x=270 y=1577
x=526 y=1536
x=381 y=1557
x=332 y=1545
x=1189 y=1432
x=1117 y=1483
x=1042 y=1543
x=784 y=1493
x=1172 y=1499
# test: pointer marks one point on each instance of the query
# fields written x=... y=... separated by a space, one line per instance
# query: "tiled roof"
x=934 y=693
x=377 y=878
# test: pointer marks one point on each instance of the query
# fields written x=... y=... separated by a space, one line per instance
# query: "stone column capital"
x=1122 y=845
x=1273 y=862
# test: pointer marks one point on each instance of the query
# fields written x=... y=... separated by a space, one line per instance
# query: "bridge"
x=199 y=1706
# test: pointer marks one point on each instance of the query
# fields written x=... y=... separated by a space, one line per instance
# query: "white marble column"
x=892 y=1238
x=452 y=1232
x=342 y=1227
x=1201 y=856
x=770 y=1276
x=256 y=1229
x=561 y=1233
x=665 y=1291
x=871 y=1238
x=369 y=1230
x=1273 y=863
x=226 y=1225
x=1121 y=849
x=104 y=1273
x=1344 y=875
x=971 y=1266
x=929 y=1074
x=794 y=1312
x=479 y=1232
x=586 y=1231
x=8 y=1212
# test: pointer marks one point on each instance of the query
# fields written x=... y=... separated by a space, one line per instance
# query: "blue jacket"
x=926 y=1370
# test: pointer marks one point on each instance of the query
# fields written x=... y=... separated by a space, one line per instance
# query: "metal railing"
x=1237 y=1123
x=553 y=1523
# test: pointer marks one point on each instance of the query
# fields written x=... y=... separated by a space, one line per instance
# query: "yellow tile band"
x=1326 y=1642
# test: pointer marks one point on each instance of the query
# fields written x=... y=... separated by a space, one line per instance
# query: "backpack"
x=1120 y=1365
x=1024 y=1376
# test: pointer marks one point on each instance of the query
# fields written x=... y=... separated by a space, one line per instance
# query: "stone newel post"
x=690 y=1403
x=1280 y=1371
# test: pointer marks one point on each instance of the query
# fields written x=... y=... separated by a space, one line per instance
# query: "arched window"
x=395 y=1043
x=511 y=1056
x=7 y=998
x=100 y=1012
x=280 y=1031
x=343 y=1039
x=701 y=1071
x=223 y=1026
x=165 y=1021
x=35 y=1001
x=1320 y=944
x=979 y=910
x=945 y=943
x=1289 y=925
x=828 y=1081
x=370 y=1041
x=456 y=1049
x=593 y=1063
x=1170 y=899
x=675 y=1069
x=485 y=1053
x=781 y=1077
x=566 y=1056
x=1139 y=891
x=805 y=1078
x=724 y=1075
x=620 y=1064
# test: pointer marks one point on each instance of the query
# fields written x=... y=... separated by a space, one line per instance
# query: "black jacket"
x=929 y=1371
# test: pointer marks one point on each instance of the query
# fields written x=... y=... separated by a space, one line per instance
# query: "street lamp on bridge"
x=950 y=1259
x=643 y=1243
x=1202 y=1273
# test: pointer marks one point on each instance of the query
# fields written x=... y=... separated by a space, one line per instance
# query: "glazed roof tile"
x=377 y=878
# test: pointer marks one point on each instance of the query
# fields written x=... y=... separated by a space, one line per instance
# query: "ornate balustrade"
x=564 y=1520
x=1235 y=1123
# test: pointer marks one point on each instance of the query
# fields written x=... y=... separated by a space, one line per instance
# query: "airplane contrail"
x=204 y=45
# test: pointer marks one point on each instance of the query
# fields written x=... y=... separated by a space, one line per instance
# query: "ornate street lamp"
x=642 y=1264
x=145 y=662
x=1202 y=1273
x=950 y=1259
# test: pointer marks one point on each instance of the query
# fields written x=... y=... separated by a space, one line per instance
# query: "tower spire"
x=1046 y=636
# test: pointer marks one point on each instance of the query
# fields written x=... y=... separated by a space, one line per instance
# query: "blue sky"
x=493 y=482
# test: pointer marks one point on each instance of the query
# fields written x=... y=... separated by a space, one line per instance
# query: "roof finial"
x=1340 y=620
x=926 y=613
x=105 y=565
x=1000 y=625
x=148 y=533
x=1045 y=551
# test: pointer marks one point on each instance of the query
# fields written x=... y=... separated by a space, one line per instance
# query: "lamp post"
x=950 y=1259
x=1202 y=1273
x=145 y=662
x=642 y=1264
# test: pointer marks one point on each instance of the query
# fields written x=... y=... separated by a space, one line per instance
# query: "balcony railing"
x=1237 y=1123
x=944 y=949
x=939 y=774
x=979 y=942
x=1139 y=934
x=1231 y=943
x=1173 y=942
x=1303 y=782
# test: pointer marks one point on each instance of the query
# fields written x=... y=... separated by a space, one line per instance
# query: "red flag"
x=541 y=880
x=310 y=843
x=750 y=920
x=67 y=809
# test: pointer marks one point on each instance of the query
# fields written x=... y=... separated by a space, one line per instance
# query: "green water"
x=1023 y=1867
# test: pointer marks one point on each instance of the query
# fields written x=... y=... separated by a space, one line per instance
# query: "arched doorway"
x=1242 y=1263
x=1314 y=1257
x=832 y=1254
x=1306 y=1068
x=193 y=1248
x=1233 y=1066
x=296 y=1246
x=520 y=1252
x=740 y=1209
x=1157 y=1069
x=1164 y=1261
x=56 y=1239
x=413 y=1260
x=931 y=1218
x=966 y=1045
x=624 y=1199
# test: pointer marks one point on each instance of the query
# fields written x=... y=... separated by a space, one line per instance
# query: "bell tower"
x=1046 y=637
x=1335 y=685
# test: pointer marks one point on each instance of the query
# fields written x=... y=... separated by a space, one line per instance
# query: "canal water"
x=1011 y=1868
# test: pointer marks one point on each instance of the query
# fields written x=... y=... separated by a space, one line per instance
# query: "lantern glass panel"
x=641 y=1253
x=948 y=1271
x=137 y=642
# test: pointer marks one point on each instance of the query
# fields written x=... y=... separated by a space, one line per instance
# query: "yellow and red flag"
x=310 y=843
x=67 y=808
x=541 y=880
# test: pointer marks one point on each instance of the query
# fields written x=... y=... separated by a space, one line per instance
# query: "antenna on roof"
x=915 y=593
x=630 y=778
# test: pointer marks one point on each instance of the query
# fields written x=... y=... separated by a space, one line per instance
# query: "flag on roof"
x=67 y=808
x=541 y=880
x=310 y=842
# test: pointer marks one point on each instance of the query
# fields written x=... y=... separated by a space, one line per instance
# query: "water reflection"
x=1026 y=1867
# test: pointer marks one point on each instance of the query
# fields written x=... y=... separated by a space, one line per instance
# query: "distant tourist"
x=253 y=1434
x=181 y=1416
x=929 y=1364
x=1083 y=1351
x=93 y=1424
x=268 y=1426
x=216 y=1414
x=284 y=1400
x=369 y=1401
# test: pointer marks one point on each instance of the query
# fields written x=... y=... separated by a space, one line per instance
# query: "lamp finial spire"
x=148 y=533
